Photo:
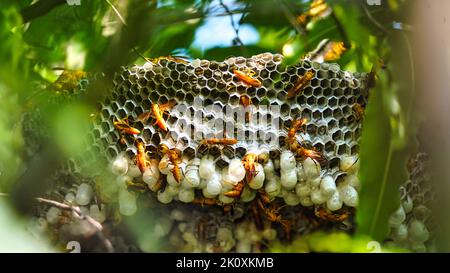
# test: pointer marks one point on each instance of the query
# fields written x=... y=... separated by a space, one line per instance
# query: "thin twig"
x=74 y=209
x=2 y=194
x=116 y=12
x=373 y=20
x=233 y=24
x=80 y=215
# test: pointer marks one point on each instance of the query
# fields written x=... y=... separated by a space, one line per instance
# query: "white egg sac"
x=84 y=194
x=186 y=195
x=127 y=203
x=258 y=181
x=334 y=202
x=287 y=161
x=236 y=170
x=164 y=197
x=207 y=168
x=303 y=189
x=301 y=176
x=273 y=187
x=289 y=179
x=269 y=169
x=349 y=164
x=192 y=177
x=152 y=174
x=292 y=199
x=327 y=186
x=317 y=197
x=348 y=195
x=306 y=201
x=133 y=171
x=120 y=165
x=312 y=168
x=247 y=195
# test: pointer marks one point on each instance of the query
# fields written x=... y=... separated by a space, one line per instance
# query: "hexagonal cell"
x=307 y=91
x=324 y=83
x=355 y=149
x=342 y=149
x=311 y=129
x=311 y=100
x=337 y=136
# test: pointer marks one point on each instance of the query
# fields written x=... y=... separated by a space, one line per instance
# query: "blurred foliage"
x=335 y=242
x=17 y=236
x=92 y=37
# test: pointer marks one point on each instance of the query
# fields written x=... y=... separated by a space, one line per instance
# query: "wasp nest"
x=217 y=147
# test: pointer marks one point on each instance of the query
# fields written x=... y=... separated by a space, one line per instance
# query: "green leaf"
x=383 y=166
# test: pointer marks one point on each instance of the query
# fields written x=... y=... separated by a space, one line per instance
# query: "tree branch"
x=39 y=9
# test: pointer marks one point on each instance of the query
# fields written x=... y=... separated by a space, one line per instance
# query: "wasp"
x=273 y=214
x=236 y=191
x=247 y=77
x=264 y=196
x=201 y=228
x=334 y=51
x=123 y=126
x=204 y=201
x=69 y=79
x=246 y=101
x=358 y=111
x=249 y=161
x=262 y=158
x=318 y=8
x=256 y=216
x=300 y=84
x=141 y=157
x=137 y=186
x=157 y=111
x=311 y=153
x=296 y=126
x=373 y=75
x=325 y=214
x=220 y=141
x=159 y=184
x=174 y=158
x=176 y=59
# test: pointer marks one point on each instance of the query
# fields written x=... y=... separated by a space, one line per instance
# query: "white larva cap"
x=186 y=195
x=236 y=170
x=312 y=168
x=291 y=199
x=334 y=202
x=152 y=174
x=120 y=165
x=214 y=187
x=287 y=161
x=133 y=171
x=349 y=195
x=349 y=164
x=127 y=202
x=207 y=168
x=289 y=179
x=417 y=231
x=258 y=181
x=273 y=187
x=317 y=197
x=302 y=189
x=192 y=178
x=306 y=201
x=164 y=197
x=84 y=194
x=327 y=186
